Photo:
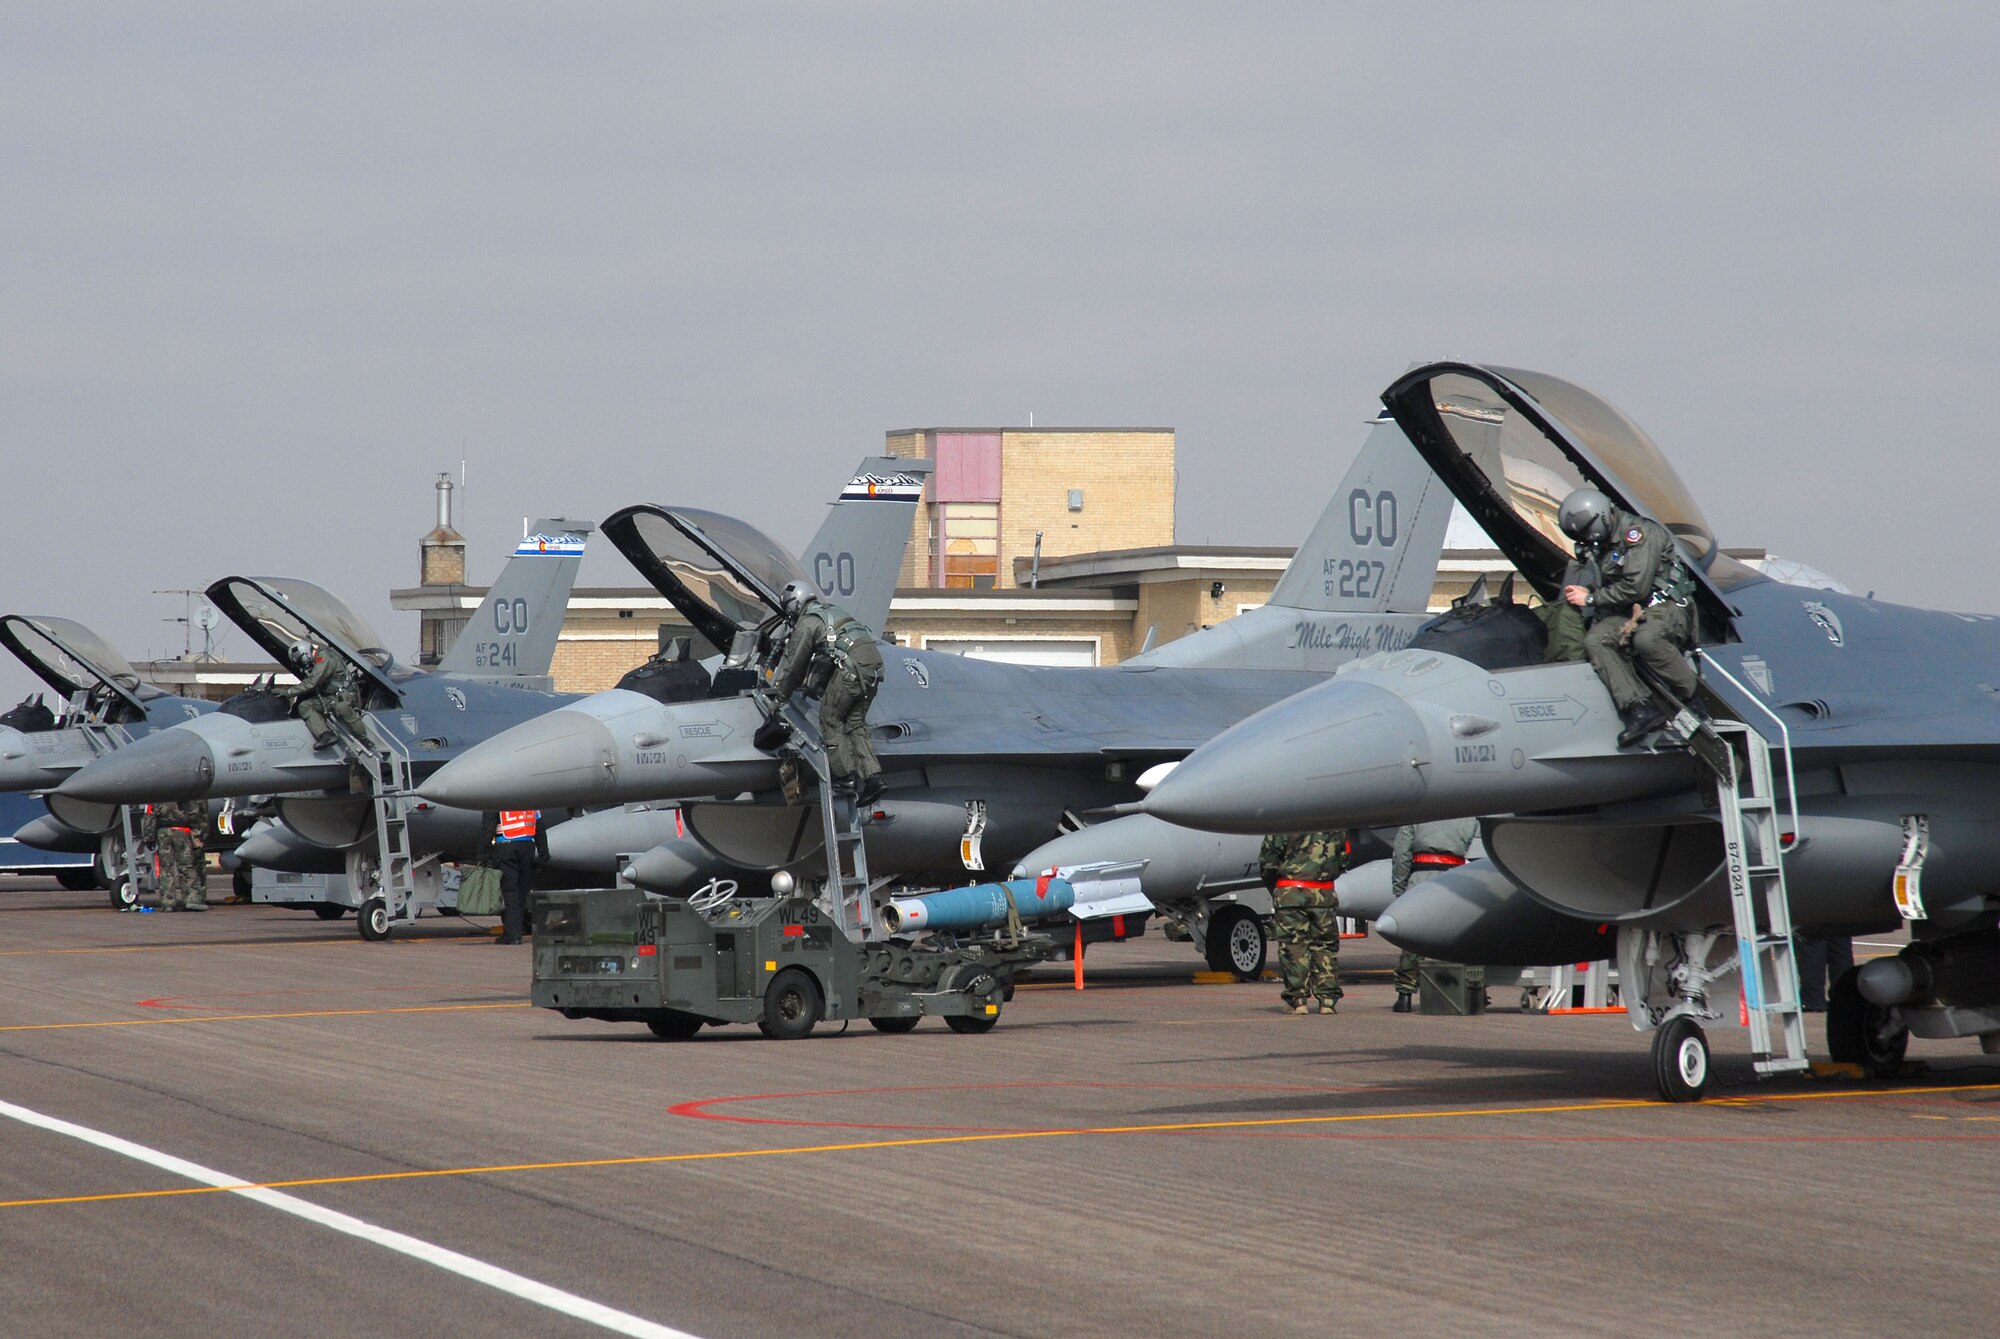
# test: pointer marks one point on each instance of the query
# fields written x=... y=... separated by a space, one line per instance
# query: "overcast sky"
x=266 y=269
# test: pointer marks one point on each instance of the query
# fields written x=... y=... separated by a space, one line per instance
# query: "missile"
x=1180 y=863
x=980 y=907
x=1413 y=736
x=610 y=747
x=1474 y=914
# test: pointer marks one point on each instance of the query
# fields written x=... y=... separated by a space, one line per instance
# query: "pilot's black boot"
x=1641 y=719
x=871 y=791
x=324 y=740
x=1403 y=1005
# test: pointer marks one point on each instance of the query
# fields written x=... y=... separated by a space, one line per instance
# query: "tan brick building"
x=994 y=490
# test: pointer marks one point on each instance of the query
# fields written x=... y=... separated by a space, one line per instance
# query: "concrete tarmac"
x=1150 y=1156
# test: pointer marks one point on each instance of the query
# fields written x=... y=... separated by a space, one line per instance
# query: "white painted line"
x=569 y=1304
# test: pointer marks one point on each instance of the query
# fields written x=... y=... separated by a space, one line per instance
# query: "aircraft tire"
x=673 y=1025
x=1236 y=943
x=1862 y=1033
x=894 y=1026
x=373 y=922
x=76 y=880
x=122 y=894
x=792 y=1005
x=1680 y=1060
x=328 y=911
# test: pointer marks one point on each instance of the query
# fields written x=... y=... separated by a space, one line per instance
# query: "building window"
x=969 y=543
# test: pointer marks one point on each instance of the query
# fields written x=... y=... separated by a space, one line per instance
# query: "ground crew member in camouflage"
x=325 y=685
x=1638 y=607
x=1424 y=851
x=178 y=829
x=1299 y=869
x=833 y=658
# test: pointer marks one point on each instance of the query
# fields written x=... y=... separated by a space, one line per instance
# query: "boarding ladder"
x=385 y=763
x=101 y=737
x=850 y=894
x=1753 y=853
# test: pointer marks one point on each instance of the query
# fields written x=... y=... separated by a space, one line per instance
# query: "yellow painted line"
x=987 y=1137
x=244 y=1018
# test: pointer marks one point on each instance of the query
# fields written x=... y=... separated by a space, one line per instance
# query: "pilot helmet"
x=1585 y=515
x=300 y=653
x=796 y=595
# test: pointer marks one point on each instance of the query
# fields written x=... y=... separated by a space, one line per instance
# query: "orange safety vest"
x=518 y=825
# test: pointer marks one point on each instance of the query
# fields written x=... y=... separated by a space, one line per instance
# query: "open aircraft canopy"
x=72 y=659
x=724 y=575
x=277 y=611
x=1512 y=444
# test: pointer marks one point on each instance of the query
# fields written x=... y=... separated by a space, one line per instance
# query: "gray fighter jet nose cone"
x=553 y=760
x=170 y=765
x=1340 y=754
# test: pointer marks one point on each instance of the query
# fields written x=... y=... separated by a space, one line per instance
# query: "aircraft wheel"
x=894 y=1026
x=791 y=1005
x=239 y=884
x=328 y=911
x=1862 y=1033
x=374 y=920
x=673 y=1025
x=123 y=898
x=1236 y=943
x=1680 y=1060
x=76 y=880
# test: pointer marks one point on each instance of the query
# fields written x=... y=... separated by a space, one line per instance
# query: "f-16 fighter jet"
x=981 y=759
x=104 y=706
x=419 y=720
x=1839 y=767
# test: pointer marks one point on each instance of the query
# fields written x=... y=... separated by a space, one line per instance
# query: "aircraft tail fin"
x=511 y=637
x=1376 y=547
x=855 y=557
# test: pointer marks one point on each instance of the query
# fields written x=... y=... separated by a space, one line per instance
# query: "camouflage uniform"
x=835 y=659
x=1450 y=839
x=1638 y=563
x=1303 y=915
x=177 y=831
x=327 y=686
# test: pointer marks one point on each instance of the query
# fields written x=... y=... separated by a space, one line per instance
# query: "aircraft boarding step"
x=387 y=767
x=102 y=737
x=1753 y=852
x=850 y=893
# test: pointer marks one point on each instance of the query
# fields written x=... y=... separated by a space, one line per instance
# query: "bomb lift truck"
x=785 y=962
